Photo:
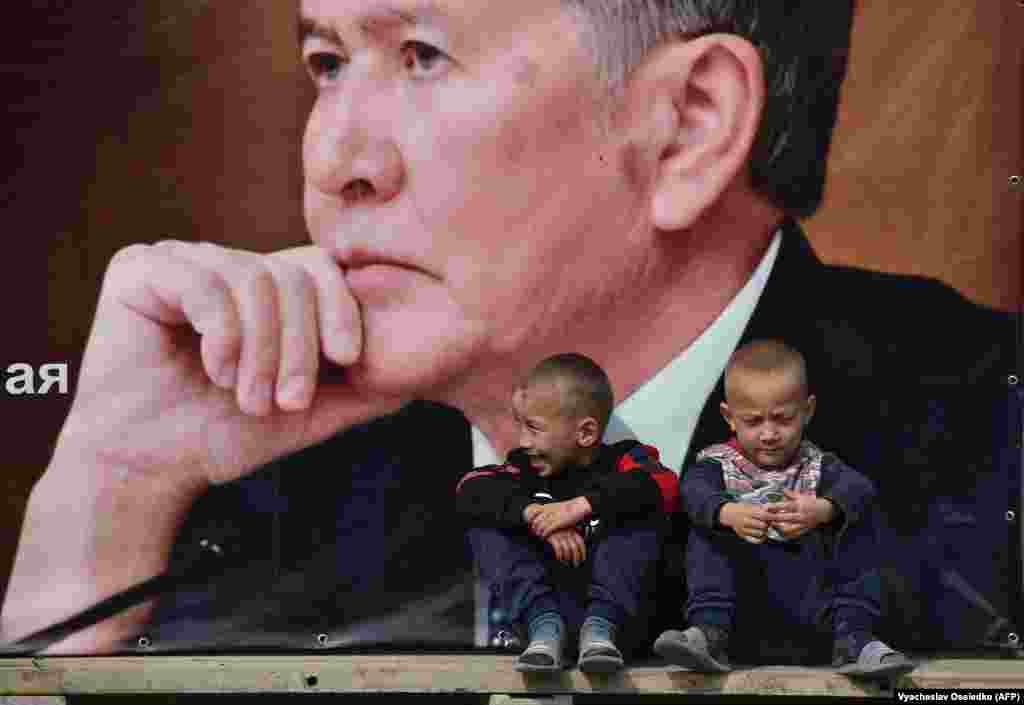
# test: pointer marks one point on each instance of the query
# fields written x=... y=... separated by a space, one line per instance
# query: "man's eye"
x=421 y=58
x=324 y=65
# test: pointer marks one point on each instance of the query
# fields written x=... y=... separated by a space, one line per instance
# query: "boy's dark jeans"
x=619 y=570
x=781 y=597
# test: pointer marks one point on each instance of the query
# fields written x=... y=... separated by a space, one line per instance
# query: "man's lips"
x=356 y=258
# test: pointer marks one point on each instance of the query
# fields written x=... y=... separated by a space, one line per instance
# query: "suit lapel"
x=786 y=311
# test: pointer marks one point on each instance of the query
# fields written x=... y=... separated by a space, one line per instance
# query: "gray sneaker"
x=693 y=649
x=598 y=653
x=876 y=661
x=547 y=642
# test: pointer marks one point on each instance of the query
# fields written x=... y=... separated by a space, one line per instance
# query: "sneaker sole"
x=537 y=668
x=600 y=663
x=880 y=672
x=695 y=661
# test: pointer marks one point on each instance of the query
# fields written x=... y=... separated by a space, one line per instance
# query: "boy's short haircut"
x=766 y=355
x=586 y=389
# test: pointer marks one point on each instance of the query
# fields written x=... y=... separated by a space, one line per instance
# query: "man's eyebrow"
x=374 y=22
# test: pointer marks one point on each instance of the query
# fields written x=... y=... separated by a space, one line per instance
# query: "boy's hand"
x=530 y=511
x=559 y=515
x=749 y=521
x=569 y=546
x=800 y=512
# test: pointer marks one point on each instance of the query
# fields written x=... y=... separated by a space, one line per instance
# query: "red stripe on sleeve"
x=668 y=483
x=486 y=471
x=637 y=457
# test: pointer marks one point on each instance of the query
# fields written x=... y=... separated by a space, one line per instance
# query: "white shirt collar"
x=664 y=411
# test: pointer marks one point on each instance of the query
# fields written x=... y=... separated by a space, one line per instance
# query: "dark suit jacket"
x=357 y=538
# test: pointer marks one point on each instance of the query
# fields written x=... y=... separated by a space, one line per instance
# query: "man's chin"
x=397 y=361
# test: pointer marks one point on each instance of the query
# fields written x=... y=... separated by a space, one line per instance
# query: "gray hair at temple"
x=804 y=46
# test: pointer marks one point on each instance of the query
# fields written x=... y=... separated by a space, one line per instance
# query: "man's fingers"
x=170 y=290
x=341 y=328
x=256 y=295
x=300 y=339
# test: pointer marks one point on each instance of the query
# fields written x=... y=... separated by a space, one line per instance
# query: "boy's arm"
x=641 y=485
x=492 y=496
x=703 y=493
x=850 y=492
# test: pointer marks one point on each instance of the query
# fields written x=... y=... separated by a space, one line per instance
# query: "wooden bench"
x=456 y=674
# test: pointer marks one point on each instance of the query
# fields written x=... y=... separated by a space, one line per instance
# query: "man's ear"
x=727 y=415
x=588 y=432
x=702 y=100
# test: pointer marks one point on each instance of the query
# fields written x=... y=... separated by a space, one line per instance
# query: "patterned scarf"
x=746 y=482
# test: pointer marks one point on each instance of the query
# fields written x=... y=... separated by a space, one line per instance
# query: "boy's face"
x=768 y=412
x=552 y=439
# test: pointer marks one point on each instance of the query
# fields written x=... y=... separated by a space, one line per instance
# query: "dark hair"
x=586 y=390
x=804 y=46
x=766 y=355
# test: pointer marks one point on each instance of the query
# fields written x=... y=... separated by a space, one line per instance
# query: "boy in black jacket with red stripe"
x=568 y=527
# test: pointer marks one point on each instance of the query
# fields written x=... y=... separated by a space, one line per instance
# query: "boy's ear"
x=587 y=432
x=812 y=404
x=698 y=104
x=727 y=415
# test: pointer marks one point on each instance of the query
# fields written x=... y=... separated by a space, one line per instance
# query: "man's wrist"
x=90 y=530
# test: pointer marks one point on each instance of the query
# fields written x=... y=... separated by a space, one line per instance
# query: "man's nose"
x=769 y=434
x=349 y=154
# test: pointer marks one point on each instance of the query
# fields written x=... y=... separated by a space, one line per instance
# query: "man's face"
x=457 y=166
x=768 y=412
x=549 y=436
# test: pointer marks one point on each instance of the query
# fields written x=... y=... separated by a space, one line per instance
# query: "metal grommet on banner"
x=1015 y=180
x=1012 y=380
x=1010 y=515
x=145 y=642
x=322 y=639
x=1013 y=639
x=212 y=547
x=311 y=680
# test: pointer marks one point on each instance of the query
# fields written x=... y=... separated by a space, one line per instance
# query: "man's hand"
x=800 y=512
x=549 y=518
x=749 y=521
x=206 y=361
x=569 y=546
x=203 y=364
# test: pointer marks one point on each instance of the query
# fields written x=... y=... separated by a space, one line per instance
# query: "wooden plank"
x=452 y=673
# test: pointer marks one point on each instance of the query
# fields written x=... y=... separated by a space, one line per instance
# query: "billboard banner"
x=448 y=319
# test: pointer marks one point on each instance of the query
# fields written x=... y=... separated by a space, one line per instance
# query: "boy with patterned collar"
x=807 y=561
x=569 y=529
